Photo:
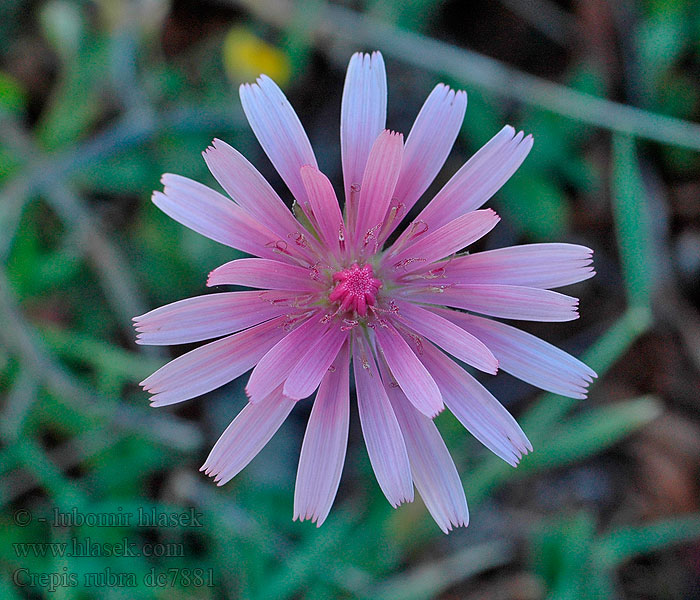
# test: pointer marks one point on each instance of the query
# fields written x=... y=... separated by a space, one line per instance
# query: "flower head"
x=331 y=292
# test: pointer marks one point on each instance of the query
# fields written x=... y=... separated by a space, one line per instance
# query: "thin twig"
x=19 y=338
x=548 y=18
x=338 y=23
x=45 y=174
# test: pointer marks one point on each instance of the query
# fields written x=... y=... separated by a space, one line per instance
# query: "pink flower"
x=333 y=292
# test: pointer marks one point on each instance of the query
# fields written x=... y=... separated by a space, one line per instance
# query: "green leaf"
x=75 y=105
x=632 y=221
x=13 y=97
x=537 y=206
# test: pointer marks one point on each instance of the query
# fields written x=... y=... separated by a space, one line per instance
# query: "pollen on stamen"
x=299 y=238
x=356 y=289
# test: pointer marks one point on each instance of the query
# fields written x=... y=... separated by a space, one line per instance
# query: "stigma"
x=355 y=290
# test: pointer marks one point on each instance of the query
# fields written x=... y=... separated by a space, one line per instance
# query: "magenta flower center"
x=356 y=289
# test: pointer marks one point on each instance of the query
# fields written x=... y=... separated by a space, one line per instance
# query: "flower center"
x=356 y=289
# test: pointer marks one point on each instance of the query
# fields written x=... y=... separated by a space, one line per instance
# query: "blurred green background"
x=98 y=99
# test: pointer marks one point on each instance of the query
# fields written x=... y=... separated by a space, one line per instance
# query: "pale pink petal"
x=527 y=357
x=246 y=436
x=275 y=366
x=426 y=246
x=532 y=265
x=362 y=114
x=209 y=213
x=383 y=438
x=427 y=147
x=365 y=219
x=432 y=467
x=409 y=372
x=325 y=442
x=314 y=363
x=324 y=208
x=505 y=301
x=210 y=366
x=279 y=132
x=475 y=408
x=461 y=344
x=264 y=273
x=251 y=190
x=479 y=179
x=210 y=316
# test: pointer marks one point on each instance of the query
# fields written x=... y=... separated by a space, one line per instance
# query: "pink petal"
x=432 y=467
x=313 y=365
x=325 y=442
x=250 y=190
x=324 y=208
x=378 y=182
x=426 y=246
x=210 y=366
x=408 y=370
x=447 y=335
x=479 y=179
x=276 y=365
x=527 y=357
x=209 y=213
x=362 y=114
x=246 y=436
x=264 y=273
x=533 y=265
x=385 y=443
x=279 y=132
x=428 y=145
x=505 y=301
x=210 y=316
x=475 y=408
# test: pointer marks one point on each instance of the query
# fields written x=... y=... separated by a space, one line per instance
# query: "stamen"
x=370 y=235
x=341 y=237
x=279 y=247
x=349 y=324
x=365 y=364
x=439 y=289
x=351 y=205
x=416 y=229
x=314 y=272
x=299 y=239
x=395 y=212
x=407 y=261
x=418 y=342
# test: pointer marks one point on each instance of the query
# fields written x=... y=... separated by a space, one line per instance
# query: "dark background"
x=98 y=99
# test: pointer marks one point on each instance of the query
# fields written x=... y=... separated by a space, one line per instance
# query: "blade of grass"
x=590 y=433
x=101 y=355
x=578 y=438
x=625 y=543
x=429 y=580
x=632 y=222
x=604 y=353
